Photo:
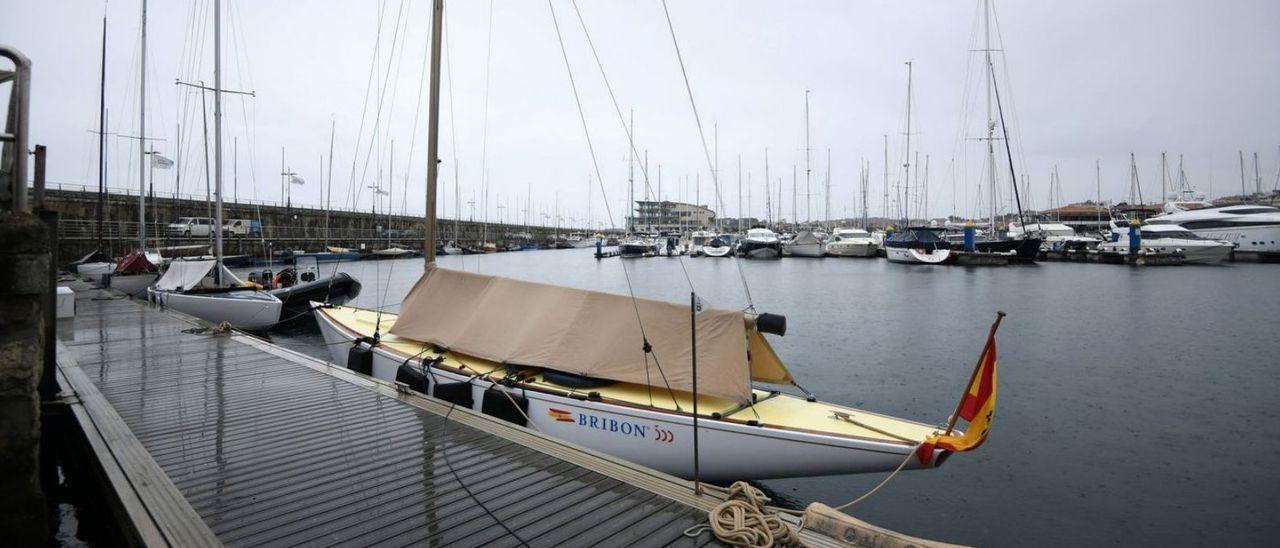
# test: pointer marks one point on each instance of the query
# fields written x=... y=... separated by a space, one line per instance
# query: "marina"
x=490 y=274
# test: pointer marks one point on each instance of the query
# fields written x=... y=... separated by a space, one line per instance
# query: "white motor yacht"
x=719 y=246
x=1171 y=238
x=852 y=242
x=698 y=239
x=1251 y=227
x=760 y=243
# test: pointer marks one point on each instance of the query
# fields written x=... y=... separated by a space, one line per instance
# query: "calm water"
x=1136 y=405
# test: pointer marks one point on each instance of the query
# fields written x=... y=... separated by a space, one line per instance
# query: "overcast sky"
x=1079 y=81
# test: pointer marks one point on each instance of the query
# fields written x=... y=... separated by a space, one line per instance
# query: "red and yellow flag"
x=977 y=406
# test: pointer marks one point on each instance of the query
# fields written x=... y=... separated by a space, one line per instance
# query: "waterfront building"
x=667 y=216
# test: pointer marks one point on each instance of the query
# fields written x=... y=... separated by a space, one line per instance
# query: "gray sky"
x=1083 y=80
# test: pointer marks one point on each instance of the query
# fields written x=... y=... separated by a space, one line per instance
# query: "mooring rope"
x=746 y=520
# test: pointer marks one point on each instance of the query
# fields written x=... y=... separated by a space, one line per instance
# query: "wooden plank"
x=146 y=529
x=176 y=520
x=645 y=478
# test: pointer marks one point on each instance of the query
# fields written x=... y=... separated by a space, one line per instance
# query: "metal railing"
x=13 y=139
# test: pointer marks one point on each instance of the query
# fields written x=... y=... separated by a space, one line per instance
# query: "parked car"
x=191 y=227
x=242 y=227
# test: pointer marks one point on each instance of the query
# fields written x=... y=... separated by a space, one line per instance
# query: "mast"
x=768 y=197
x=739 y=194
x=906 y=178
x=142 y=138
x=808 y=212
x=1257 y=176
x=886 y=176
x=1244 y=193
x=433 y=131
x=333 y=126
x=827 y=212
x=631 y=172
x=991 y=150
x=102 y=133
x=795 y=216
x=391 y=175
x=1097 y=179
x=217 y=140
x=715 y=175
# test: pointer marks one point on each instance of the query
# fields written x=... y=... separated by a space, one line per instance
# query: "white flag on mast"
x=160 y=161
x=296 y=180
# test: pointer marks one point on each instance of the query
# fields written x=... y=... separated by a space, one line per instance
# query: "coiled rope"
x=743 y=520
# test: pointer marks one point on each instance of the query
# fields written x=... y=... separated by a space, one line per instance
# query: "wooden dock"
x=210 y=439
x=226 y=439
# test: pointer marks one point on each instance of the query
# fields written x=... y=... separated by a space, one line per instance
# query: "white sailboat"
x=134 y=273
x=206 y=289
x=574 y=365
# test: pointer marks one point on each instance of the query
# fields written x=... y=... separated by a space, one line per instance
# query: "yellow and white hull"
x=778 y=436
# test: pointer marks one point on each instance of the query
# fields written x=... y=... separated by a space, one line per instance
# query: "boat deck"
x=212 y=439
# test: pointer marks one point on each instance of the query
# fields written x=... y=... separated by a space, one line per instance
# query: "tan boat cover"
x=585 y=333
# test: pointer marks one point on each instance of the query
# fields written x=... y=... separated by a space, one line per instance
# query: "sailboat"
x=203 y=288
x=1027 y=247
x=93 y=266
x=574 y=365
x=137 y=271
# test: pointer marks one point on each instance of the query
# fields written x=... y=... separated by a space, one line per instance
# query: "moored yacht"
x=698 y=240
x=1171 y=238
x=634 y=247
x=207 y=290
x=719 y=246
x=571 y=387
x=806 y=243
x=851 y=242
x=760 y=243
x=1251 y=227
x=135 y=273
x=1055 y=236
x=918 y=245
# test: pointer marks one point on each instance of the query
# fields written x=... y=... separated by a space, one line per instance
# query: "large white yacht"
x=852 y=242
x=1171 y=238
x=1251 y=227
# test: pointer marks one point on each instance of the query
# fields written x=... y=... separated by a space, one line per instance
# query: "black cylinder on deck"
x=772 y=323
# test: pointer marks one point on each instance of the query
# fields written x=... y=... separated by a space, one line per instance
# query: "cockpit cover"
x=582 y=332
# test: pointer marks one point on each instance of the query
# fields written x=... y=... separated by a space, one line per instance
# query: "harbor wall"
x=296 y=227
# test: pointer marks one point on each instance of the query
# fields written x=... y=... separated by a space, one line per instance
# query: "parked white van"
x=240 y=227
x=191 y=227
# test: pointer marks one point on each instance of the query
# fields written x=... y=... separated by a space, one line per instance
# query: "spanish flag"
x=977 y=406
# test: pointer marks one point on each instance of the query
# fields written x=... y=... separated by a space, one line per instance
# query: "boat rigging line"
x=1007 y=152
x=705 y=151
x=595 y=163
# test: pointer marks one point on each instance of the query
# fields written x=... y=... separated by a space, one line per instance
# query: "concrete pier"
x=283 y=227
x=25 y=292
